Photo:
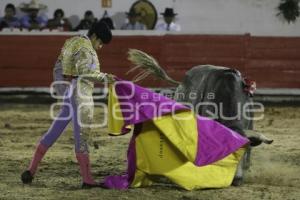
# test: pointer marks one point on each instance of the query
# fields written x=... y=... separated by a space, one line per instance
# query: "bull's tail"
x=147 y=66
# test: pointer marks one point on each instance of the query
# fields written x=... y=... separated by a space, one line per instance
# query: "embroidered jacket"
x=79 y=59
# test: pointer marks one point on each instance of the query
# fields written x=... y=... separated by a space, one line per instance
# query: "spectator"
x=87 y=22
x=133 y=23
x=168 y=24
x=32 y=21
x=9 y=20
x=59 y=22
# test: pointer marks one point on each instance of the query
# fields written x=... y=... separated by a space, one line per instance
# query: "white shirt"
x=164 y=27
x=136 y=26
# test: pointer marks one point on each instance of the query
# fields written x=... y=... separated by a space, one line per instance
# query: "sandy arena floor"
x=275 y=171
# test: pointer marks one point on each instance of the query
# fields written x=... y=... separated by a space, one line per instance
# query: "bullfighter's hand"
x=110 y=78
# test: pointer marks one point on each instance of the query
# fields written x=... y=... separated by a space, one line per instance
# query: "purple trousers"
x=68 y=112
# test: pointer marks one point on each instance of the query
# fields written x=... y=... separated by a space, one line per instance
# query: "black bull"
x=219 y=93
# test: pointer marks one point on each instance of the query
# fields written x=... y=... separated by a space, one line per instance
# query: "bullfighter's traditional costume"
x=78 y=63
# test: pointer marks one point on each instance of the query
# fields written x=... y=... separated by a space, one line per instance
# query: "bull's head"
x=257 y=138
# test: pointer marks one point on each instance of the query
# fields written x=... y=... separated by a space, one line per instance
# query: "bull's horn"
x=257 y=138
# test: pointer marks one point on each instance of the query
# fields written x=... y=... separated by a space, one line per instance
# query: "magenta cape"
x=212 y=142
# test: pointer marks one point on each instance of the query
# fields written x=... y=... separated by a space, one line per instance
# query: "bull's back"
x=216 y=90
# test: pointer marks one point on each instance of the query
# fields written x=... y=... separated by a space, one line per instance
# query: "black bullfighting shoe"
x=26 y=177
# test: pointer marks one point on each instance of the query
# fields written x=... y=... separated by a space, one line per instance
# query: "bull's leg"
x=247 y=158
x=239 y=174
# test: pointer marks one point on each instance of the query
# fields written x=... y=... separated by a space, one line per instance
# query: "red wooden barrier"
x=27 y=60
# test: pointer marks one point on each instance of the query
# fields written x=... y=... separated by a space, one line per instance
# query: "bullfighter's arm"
x=86 y=67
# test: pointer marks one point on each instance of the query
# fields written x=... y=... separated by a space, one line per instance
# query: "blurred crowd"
x=32 y=20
